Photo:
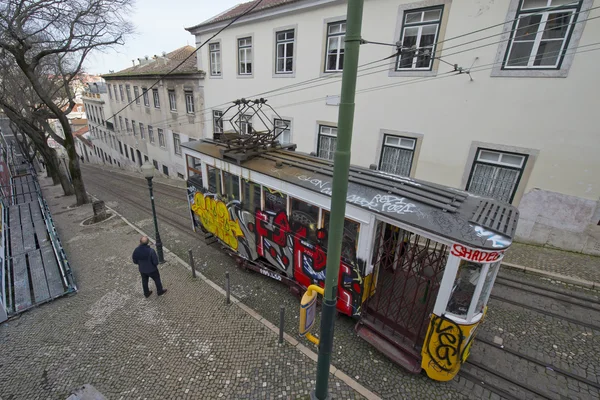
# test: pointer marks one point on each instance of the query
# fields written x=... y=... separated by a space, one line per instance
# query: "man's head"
x=144 y=240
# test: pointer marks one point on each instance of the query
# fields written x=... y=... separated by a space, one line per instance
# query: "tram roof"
x=452 y=213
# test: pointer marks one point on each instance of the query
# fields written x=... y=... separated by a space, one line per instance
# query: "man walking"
x=147 y=260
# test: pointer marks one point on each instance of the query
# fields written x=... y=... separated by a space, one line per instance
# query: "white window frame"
x=176 y=143
x=110 y=95
x=216 y=128
x=136 y=94
x=121 y=93
x=146 y=97
x=156 y=98
x=190 y=106
x=562 y=71
x=284 y=43
x=142 y=131
x=245 y=124
x=282 y=125
x=172 y=100
x=151 y=133
x=128 y=92
x=328 y=131
x=420 y=25
x=244 y=46
x=387 y=143
x=214 y=56
x=546 y=13
x=339 y=38
x=161 y=137
x=127 y=126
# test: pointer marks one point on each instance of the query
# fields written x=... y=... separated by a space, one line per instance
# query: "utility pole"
x=341 y=167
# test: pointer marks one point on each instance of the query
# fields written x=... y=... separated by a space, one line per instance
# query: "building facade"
x=491 y=97
x=143 y=117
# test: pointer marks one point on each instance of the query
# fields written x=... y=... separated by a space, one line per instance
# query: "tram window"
x=231 y=183
x=487 y=286
x=250 y=196
x=274 y=201
x=306 y=215
x=194 y=166
x=464 y=287
x=350 y=240
x=214 y=180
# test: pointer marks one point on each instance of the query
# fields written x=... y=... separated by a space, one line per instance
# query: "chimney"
x=164 y=53
x=133 y=62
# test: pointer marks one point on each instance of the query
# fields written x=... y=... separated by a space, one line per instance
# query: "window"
x=334 y=59
x=121 y=92
x=194 y=166
x=128 y=90
x=142 y=131
x=350 y=239
x=120 y=123
x=282 y=130
x=161 y=138
x=189 y=103
x=132 y=154
x=180 y=175
x=146 y=100
x=463 y=289
x=245 y=123
x=304 y=215
x=251 y=193
x=420 y=30
x=540 y=36
x=133 y=128
x=110 y=91
x=172 y=101
x=217 y=123
x=151 y=133
x=275 y=201
x=397 y=155
x=284 y=52
x=214 y=180
x=120 y=147
x=231 y=184
x=215 y=59
x=136 y=94
x=155 y=163
x=165 y=170
x=496 y=174
x=245 y=56
x=176 y=143
x=156 y=98
x=327 y=142
x=127 y=127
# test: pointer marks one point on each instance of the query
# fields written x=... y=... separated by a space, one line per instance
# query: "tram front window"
x=464 y=288
x=487 y=287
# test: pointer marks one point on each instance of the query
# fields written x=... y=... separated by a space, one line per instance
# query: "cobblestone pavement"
x=576 y=265
x=353 y=355
x=186 y=344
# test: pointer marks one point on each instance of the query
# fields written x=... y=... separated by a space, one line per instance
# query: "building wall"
x=546 y=117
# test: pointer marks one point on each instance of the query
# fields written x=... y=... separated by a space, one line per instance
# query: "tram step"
x=209 y=238
x=394 y=353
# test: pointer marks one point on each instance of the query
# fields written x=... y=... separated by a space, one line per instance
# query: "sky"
x=159 y=27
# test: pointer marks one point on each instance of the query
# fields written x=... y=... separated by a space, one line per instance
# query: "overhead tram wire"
x=250 y=9
x=338 y=74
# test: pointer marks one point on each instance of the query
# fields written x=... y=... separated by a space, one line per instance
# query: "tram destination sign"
x=475 y=255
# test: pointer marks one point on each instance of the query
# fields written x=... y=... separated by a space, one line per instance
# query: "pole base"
x=313 y=396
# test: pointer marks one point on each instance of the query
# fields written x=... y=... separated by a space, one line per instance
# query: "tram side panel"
x=268 y=236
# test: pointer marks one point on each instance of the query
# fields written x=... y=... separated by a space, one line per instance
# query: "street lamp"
x=148 y=172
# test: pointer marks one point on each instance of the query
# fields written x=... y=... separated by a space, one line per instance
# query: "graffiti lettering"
x=214 y=215
x=444 y=343
x=481 y=256
x=497 y=240
x=317 y=182
x=270 y=274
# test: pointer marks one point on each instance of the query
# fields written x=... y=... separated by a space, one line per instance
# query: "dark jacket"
x=146 y=259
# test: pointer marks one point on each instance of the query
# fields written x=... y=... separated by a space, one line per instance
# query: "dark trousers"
x=156 y=278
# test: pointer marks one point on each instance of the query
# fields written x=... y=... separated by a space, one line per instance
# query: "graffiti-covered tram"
x=418 y=259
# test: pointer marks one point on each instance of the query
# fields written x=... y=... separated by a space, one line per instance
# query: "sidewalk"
x=579 y=269
x=187 y=344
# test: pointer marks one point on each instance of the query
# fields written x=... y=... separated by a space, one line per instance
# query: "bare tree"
x=52 y=38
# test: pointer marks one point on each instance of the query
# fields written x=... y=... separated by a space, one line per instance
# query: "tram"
x=418 y=259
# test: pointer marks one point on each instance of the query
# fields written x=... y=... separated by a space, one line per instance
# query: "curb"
x=552 y=275
x=117 y=171
x=291 y=340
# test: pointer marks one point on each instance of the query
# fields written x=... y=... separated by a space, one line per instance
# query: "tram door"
x=409 y=270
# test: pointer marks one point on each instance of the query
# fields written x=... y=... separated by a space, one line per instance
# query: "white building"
x=518 y=127
x=135 y=119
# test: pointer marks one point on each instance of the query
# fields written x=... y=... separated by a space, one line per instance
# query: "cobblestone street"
x=186 y=344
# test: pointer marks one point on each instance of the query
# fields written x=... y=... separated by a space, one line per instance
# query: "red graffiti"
x=481 y=256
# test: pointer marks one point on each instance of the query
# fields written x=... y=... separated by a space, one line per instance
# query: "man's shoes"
x=163 y=292
x=148 y=295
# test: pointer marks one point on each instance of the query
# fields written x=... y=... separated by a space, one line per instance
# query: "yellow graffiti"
x=446 y=347
x=214 y=216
